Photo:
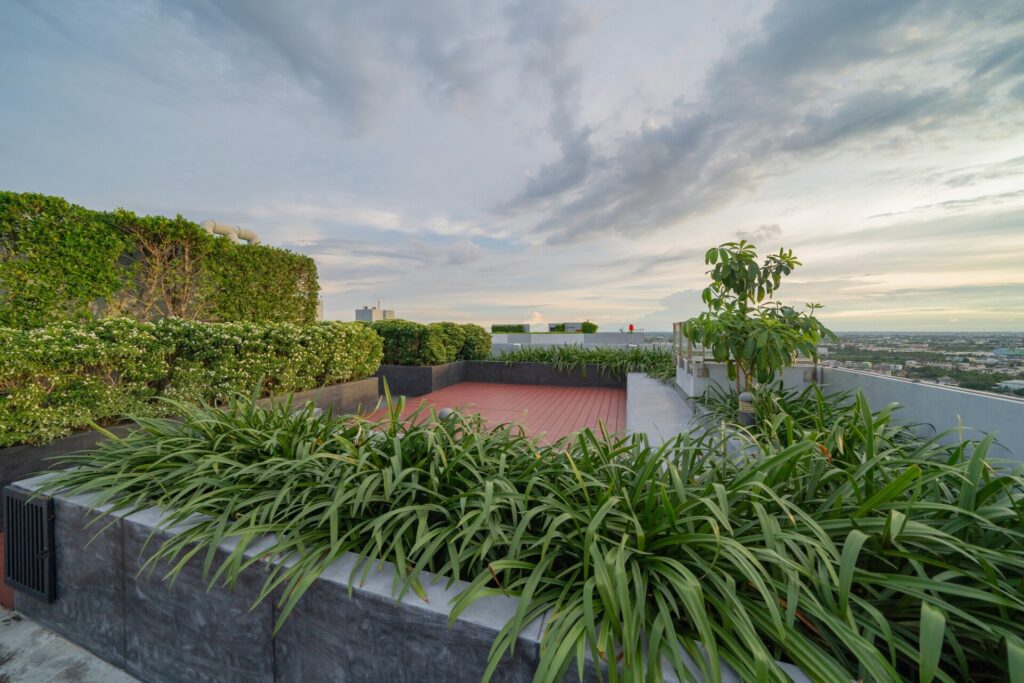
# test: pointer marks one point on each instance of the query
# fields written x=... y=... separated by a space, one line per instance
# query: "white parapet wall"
x=954 y=412
x=940 y=407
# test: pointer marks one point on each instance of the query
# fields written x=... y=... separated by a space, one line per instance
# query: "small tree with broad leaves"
x=744 y=327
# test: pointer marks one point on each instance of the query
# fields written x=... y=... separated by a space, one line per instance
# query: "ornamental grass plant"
x=654 y=361
x=882 y=558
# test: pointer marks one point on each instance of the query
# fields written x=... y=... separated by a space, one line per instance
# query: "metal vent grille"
x=28 y=544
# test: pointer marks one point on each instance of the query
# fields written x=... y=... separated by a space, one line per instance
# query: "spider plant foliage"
x=879 y=558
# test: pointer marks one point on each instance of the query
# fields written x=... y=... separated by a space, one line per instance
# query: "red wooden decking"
x=550 y=412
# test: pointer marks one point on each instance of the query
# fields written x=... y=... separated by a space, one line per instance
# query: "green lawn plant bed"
x=882 y=558
x=654 y=361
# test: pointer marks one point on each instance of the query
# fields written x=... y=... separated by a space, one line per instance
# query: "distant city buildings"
x=369 y=314
x=981 y=361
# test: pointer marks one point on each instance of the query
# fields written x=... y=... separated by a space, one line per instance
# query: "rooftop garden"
x=828 y=537
x=825 y=534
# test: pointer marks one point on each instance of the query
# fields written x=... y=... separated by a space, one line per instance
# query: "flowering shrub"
x=411 y=343
x=58 y=378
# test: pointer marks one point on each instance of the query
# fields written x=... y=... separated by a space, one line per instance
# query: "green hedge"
x=509 y=329
x=61 y=377
x=411 y=343
x=61 y=262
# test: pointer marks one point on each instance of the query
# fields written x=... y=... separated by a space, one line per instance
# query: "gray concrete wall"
x=943 y=408
x=347 y=628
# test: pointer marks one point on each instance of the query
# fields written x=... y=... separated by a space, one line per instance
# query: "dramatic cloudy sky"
x=507 y=161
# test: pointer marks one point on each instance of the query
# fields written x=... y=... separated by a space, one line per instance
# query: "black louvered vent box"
x=28 y=544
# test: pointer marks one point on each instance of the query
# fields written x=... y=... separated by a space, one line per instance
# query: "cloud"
x=546 y=32
x=978 y=173
x=356 y=57
x=820 y=77
x=762 y=233
x=959 y=205
x=463 y=252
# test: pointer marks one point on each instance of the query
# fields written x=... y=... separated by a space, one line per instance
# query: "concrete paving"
x=30 y=653
x=655 y=409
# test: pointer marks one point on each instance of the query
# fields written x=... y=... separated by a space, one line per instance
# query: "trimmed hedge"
x=411 y=343
x=509 y=329
x=60 y=262
x=59 y=378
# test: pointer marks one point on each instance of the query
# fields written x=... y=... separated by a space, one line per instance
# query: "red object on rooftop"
x=631 y=327
x=549 y=412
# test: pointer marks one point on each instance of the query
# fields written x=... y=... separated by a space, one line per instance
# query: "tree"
x=744 y=327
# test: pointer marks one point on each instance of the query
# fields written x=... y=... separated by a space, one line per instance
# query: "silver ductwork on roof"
x=232 y=232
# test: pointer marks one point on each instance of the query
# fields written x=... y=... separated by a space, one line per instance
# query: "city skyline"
x=508 y=162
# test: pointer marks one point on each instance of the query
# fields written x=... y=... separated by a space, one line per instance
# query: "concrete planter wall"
x=19 y=462
x=416 y=380
x=540 y=373
x=347 y=397
x=134 y=620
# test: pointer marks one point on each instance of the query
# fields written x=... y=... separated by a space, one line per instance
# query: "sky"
x=551 y=161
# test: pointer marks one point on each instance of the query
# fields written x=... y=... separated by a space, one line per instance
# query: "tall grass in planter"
x=883 y=562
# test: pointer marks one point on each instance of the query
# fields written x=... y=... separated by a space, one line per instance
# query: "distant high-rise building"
x=369 y=314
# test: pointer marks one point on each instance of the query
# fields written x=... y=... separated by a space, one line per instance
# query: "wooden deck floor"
x=549 y=412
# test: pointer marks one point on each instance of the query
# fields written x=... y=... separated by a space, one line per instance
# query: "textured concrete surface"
x=368 y=636
x=89 y=608
x=30 y=653
x=185 y=632
x=655 y=409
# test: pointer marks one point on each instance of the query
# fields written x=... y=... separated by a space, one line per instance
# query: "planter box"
x=342 y=629
x=19 y=462
x=416 y=380
x=357 y=396
x=539 y=373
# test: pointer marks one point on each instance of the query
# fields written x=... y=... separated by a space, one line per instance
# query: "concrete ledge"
x=346 y=628
x=655 y=409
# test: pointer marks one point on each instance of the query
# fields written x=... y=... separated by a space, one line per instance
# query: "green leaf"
x=932 y=633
